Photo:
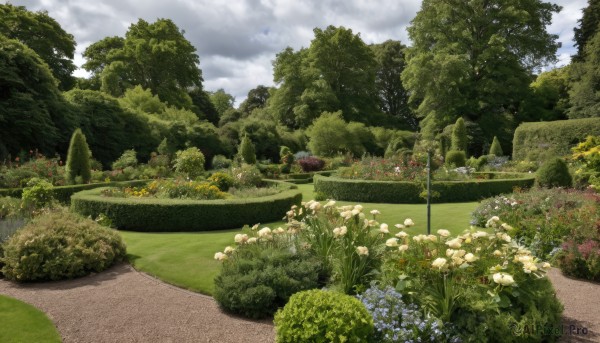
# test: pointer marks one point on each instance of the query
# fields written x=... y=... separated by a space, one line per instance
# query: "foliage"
x=45 y=36
x=481 y=68
x=554 y=173
x=256 y=98
x=78 y=169
x=323 y=316
x=157 y=215
x=496 y=148
x=549 y=98
x=311 y=164
x=222 y=101
x=287 y=159
x=246 y=175
x=60 y=245
x=37 y=194
x=459 y=135
x=588 y=26
x=395 y=168
x=588 y=152
x=541 y=141
x=255 y=282
x=583 y=94
x=580 y=260
x=247 y=150
x=456 y=158
x=409 y=192
x=16 y=175
x=396 y=321
x=220 y=162
x=189 y=162
x=128 y=159
x=223 y=181
x=328 y=135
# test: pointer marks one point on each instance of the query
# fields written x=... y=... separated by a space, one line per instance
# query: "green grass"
x=186 y=259
x=21 y=322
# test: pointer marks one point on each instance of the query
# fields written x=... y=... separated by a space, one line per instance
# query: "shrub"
x=246 y=175
x=287 y=159
x=247 y=150
x=78 y=159
x=544 y=140
x=60 y=245
x=456 y=158
x=395 y=168
x=220 y=162
x=459 y=136
x=580 y=260
x=496 y=148
x=190 y=162
x=223 y=181
x=128 y=159
x=311 y=163
x=554 y=173
x=477 y=163
x=323 y=316
x=256 y=282
x=37 y=194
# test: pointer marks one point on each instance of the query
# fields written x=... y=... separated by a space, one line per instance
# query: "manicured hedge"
x=404 y=192
x=540 y=141
x=153 y=215
x=63 y=193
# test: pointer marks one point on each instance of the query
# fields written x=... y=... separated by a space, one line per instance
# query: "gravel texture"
x=124 y=305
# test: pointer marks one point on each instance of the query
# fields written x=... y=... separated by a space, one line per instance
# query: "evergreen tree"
x=496 y=149
x=247 y=150
x=459 y=135
x=78 y=167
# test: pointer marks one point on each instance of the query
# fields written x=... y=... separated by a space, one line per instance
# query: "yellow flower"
x=375 y=212
x=546 y=265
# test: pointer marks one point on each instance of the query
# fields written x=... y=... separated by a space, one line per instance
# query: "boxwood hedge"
x=154 y=215
x=405 y=192
x=63 y=193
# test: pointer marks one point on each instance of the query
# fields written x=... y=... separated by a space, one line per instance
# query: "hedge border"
x=405 y=192
x=174 y=215
x=63 y=193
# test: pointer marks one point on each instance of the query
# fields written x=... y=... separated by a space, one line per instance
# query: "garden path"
x=124 y=305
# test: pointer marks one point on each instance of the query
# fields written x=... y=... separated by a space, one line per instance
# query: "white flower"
x=346 y=214
x=479 y=234
x=331 y=203
x=439 y=263
x=457 y=261
x=264 y=232
x=529 y=267
x=383 y=228
x=402 y=234
x=497 y=253
x=228 y=250
x=400 y=226
x=279 y=231
x=392 y=242
x=454 y=243
x=372 y=222
x=252 y=240
x=355 y=212
x=470 y=258
x=315 y=206
x=220 y=256
x=375 y=212
x=363 y=251
x=359 y=208
x=546 y=265
x=432 y=238
x=459 y=253
x=506 y=227
x=505 y=238
x=403 y=248
x=450 y=252
x=503 y=279
x=419 y=238
x=340 y=231
x=443 y=233
x=254 y=227
x=241 y=238
x=408 y=222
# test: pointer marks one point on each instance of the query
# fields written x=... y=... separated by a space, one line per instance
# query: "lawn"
x=186 y=259
x=21 y=322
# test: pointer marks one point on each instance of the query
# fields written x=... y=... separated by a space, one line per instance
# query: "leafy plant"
x=190 y=162
x=78 y=159
x=37 y=194
x=554 y=173
x=223 y=181
x=247 y=151
x=311 y=163
x=496 y=148
x=128 y=159
x=456 y=158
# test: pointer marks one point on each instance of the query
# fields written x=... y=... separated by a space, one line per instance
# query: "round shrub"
x=246 y=175
x=255 y=283
x=190 y=162
x=554 y=173
x=456 y=158
x=311 y=163
x=60 y=245
x=323 y=316
x=222 y=180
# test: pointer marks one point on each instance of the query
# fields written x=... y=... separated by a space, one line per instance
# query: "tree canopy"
x=585 y=90
x=588 y=26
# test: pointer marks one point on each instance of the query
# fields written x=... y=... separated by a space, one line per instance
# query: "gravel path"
x=123 y=305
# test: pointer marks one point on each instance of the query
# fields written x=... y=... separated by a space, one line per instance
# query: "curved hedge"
x=405 y=192
x=63 y=193
x=154 y=215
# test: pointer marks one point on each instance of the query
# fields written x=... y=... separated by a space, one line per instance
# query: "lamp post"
x=428 y=192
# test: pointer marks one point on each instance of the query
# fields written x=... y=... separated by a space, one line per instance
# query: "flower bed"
x=409 y=192
x=153 y=215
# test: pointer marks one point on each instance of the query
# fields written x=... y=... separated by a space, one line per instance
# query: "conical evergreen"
x=78 y=159
x=459 y=136
x=496 y=149
x=247 y=150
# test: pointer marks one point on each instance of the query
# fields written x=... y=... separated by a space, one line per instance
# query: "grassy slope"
x=186 y=259
x=21 y=322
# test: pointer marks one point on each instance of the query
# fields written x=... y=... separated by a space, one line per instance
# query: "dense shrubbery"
x=396 y=168
x=554 y=173
x=190 y=162
x=311 y=164
x=456 y=158
x=16 y=175
x=323 y=316
x=60 y=245
x=580 y=260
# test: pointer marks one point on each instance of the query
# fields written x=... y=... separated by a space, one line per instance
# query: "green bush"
x=190 y=162
x=246 y=175
x=220 y=162
x=60 y=245
x=323 y=316
x=128 y=159
x=580 y=260
x=459 y=136
x=496 y=148
x=477 y=163
x=222 y=180
x=404 y=192
x=544 y=140
x=255 y=283
x=78 y=159
x=247 y=150
x=287 y=159
x=554 y=173
x=456 y=158
x=155 y=215
x=37 y=194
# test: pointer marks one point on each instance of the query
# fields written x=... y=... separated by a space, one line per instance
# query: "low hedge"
x=405 y=192
x=154 y=215
x=63 y=193
x=543 y=140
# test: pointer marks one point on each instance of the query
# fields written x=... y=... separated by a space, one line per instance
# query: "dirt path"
x=581 y=318
x=123 y=305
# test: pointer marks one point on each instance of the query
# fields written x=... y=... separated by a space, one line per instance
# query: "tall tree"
x=202 y=106
x=222 y=101
x=45 y=36
x=549 y=97
x=393 y=97
x=585 y=89
x=155 y=55
x=588 y=26
x=475 y=59
x=257 y=98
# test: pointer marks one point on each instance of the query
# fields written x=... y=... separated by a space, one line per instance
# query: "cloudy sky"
x=237 y=39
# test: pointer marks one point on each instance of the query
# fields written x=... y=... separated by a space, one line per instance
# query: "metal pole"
x=428 y=192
